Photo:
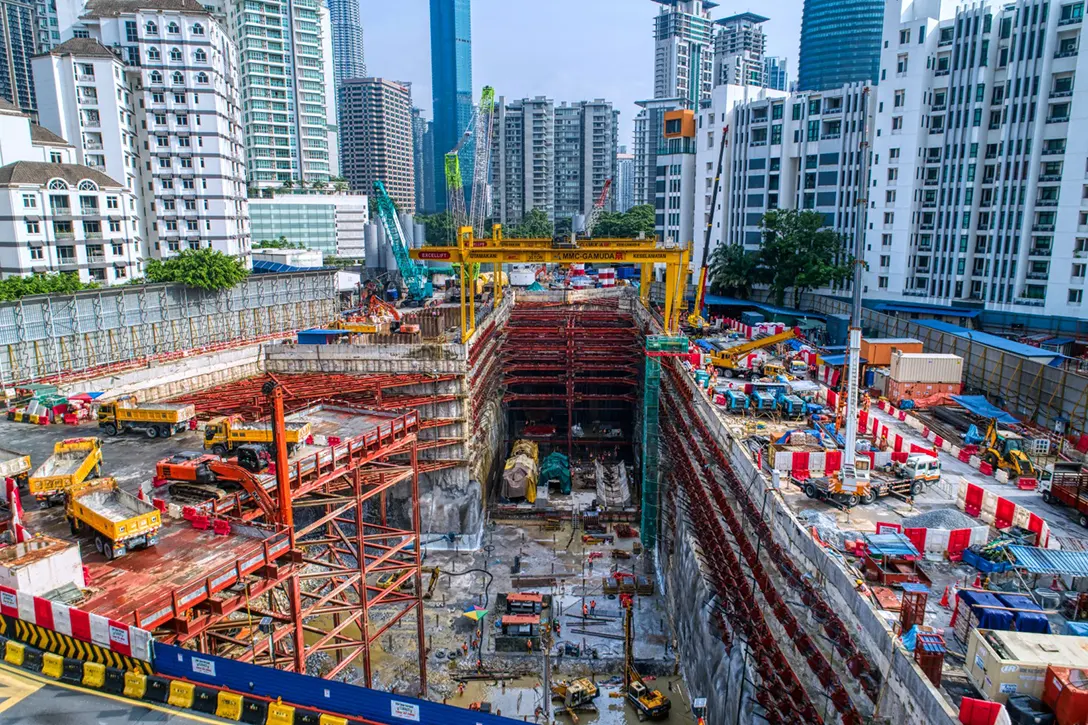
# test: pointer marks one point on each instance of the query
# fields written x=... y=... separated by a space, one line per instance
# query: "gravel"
x=941 y=519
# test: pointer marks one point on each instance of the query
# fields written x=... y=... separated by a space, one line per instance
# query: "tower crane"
x=479 y=130
x=414 y=275
x=598 y=209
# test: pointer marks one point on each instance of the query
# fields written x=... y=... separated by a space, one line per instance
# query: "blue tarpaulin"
x=1076 y=629
x=984 y=338
x=838 y=360
x=928 y=310
x=987 y=618
x=1034 y=621
x=1050 y=561
x=978 y=405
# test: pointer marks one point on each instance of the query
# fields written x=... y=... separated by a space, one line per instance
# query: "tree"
x=206 y=269
x=731 y=269
x=280 y=243
x=65 y=283
x=439 y=228
x=563 y=226
x=799 y=251
x=319 y=185
x=534 y=225
x=626 y=225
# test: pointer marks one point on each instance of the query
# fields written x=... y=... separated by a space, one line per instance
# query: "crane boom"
x=728 y=358
x=696 y=317
x=414 y=275
x=598 y=209
x=485 y=113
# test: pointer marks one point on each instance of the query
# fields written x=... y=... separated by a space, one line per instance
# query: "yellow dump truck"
x=119 y=521
x=155 y=420
x=74 y=460
x=222 y=435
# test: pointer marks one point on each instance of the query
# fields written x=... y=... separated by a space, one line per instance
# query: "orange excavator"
x=205 y=476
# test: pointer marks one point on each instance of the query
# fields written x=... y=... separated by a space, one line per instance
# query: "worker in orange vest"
x=529 y=645
x=585 y=611
x=593 y=607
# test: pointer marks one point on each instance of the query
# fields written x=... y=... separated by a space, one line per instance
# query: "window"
x=882 y=282
x=151 y=29
x=115 y=226
x=202 y=77
x=1071 y=13
x=200 y=55
x=162 y=141
x=889 y=217
x=192 y=225
x=885 y=260
x=901 y=64
x=198 y=29
x=153 y=54
x=186 y=163
x=904 y=37
x=178 y=79
x=901 y=98
x=56 y=157
x=1078 y=271
x=897 y=123
x=158 y=97
x=33 y=227
x=36 y=253
x=179 y=98
x=160 y=119
x=1076 y=296
x=175 y=55
x=156 y=79
x=164 y=163
x=182 y=119
x=889 y=197
x=30 y=201
x=173 y=28
x=893 y=154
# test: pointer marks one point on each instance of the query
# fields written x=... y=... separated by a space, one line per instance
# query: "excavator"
x=1005 y=450
x=649 y=704
x=204 y=475
x=695 y=321
x=728 y=361
x=374 y=311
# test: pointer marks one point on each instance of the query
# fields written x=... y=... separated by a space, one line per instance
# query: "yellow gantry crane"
x=499 y=251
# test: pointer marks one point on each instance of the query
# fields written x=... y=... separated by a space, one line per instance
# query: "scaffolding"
x=657 y=347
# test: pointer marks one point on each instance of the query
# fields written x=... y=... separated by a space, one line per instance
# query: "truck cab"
x=798 y=368
x=920 y=468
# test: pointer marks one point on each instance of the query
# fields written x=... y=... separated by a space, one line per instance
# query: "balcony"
x=1066 y=53
x=1037 y=275
x=96 y=259
x=1042 y=227
x=93 y=146
x=1046 y=202
x=929 y=204
x=1058 y=119
x=85 y=77
x=1031 y=301
x=939 y=72
x=93 y=235
x=925 y=247
x=1050 y=177
x=931 y=182
x=88 y=100
x=1039 y=252
x=1061 y=94
x=1069 y=21
x=66 y=261
x=828 y=136
x=1053 y=150
x=92 y=123
x=926 y=227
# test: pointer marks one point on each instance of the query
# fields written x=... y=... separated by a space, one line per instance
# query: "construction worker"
x=464 y=648
x=475 y=643
x=585 y=610
x=558 y=629
x=529 y=644
x=593 y=607
x=460 y=689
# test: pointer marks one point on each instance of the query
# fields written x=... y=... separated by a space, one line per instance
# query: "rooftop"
x=10 y=109
x=740 y=17
x=86 y=47
x=985 y=338
x=115 y=8
x=42 y=135
x=38 y=172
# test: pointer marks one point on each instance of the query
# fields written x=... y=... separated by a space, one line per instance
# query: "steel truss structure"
x=318 y=597
x=559 y=358
x=102 y=331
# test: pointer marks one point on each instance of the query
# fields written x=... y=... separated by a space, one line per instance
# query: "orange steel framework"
x=557 y=357
x=329 y=583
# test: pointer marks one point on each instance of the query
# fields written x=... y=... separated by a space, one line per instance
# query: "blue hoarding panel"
x=311 y=692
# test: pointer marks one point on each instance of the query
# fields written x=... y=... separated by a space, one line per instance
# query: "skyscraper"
x=419 y=127
x=775 y=75
x=451 y=86
x=840 y=43
x=738 y=50
x=17 y=46
x=623 y=188
x=347 y=40
x=684 y=52
x=428 y=204
x=376 y=133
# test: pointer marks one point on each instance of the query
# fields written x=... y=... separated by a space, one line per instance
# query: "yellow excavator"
x=1005 y=450
x=649 y=704
x=728 y=361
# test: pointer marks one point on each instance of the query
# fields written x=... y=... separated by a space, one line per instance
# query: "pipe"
x=274 y=392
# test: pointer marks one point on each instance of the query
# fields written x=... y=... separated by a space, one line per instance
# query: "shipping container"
x=895 y=391
x=926 y=368
x=878 y=350
x=750 y=317
x=41 y=565
x=838 y=326
x=1065 y=691
x=1000 y=663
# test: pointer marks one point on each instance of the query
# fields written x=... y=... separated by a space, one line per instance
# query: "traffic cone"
x=944 y=598
x=140 y=493
x=978 y=580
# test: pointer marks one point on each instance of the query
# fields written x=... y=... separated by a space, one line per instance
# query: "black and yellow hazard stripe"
x=66 y=646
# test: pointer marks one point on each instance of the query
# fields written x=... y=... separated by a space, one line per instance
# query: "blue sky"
x=568 y=50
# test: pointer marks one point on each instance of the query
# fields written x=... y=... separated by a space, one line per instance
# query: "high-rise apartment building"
x=840 y=43
x=172 y=108
x=419 y=127
x=979 y=193
x=623 y=188
x=523 y=158
x=684 y=50
x=451 y=86
x=739 y=49
x=285 y=110
x=428 y=203
x=552 y=158
x=649 y=130
x=586 y=143
x=775 y=75
x=347 y=40
x=18 y=44
x=377 y=137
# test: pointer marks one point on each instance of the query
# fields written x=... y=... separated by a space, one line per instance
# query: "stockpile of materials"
x=921 y=375
x=555 y=471
x=520 y=474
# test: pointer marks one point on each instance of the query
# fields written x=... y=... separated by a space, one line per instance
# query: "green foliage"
x=280 y=243
x=731 y=270
x=439 y=228
x=563 y=226
x=534 y=225
x=798 y=251
x=331 y=260
x=626 y=225
x=13 y=288
x=205 y=269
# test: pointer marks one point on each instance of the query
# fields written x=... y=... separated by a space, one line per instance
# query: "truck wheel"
x=110 y=429
x=852 y=500
x=869 y=498
x=98 y=544
x=165 y=432
x=809 y=490
x=219 y=450
x=915 y=488
x=152 y=431
x=1083 y=521
x=1047 y=497
x=74 y=526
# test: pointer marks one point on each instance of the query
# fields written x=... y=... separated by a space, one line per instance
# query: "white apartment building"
x=182 y=94
x=283 y=88
x=60 y=216
x=523 y=158
x=739 y=50
x=980 y=188
x=586 y=144
x=684 y=50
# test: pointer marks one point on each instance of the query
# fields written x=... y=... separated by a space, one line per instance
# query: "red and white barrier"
x=1000 y=512
x=84 y=626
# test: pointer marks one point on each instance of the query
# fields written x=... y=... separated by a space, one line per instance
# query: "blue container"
x=750 y=317
x=838 y=327
x=870 y=378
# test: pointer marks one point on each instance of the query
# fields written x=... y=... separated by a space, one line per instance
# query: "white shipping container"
x=41 y=565
x=924 y=367
x=1000 y=663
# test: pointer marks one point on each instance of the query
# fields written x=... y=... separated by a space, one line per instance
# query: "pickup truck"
x=120 y=521
x=14 y=465
x=1067 y=484
x=224 y=434
x=154 y=420
x=74 y=460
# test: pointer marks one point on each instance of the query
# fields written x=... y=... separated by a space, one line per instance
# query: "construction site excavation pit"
x=473 y=523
